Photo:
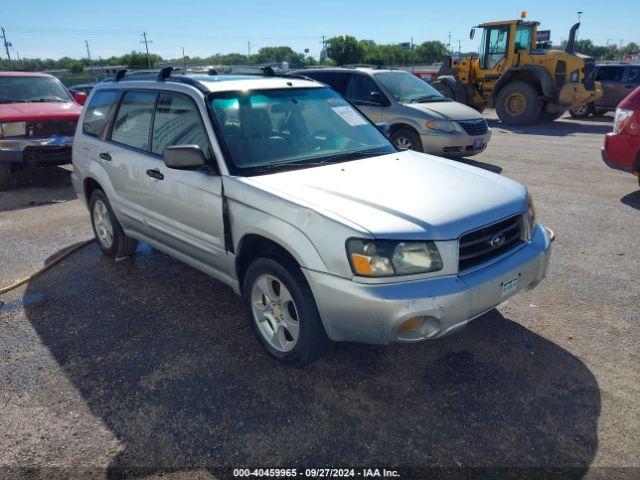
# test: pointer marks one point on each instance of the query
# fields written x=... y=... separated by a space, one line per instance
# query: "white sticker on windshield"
x=349 y=115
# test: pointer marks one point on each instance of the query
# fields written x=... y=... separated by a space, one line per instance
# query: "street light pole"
x=146 y=44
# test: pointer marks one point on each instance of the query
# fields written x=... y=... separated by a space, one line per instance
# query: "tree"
x=135 y=60
x=277 y=55
x=345 y=50
x=430 y=52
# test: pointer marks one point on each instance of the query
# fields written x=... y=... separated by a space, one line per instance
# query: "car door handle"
x=105 y=156
x=153 y=173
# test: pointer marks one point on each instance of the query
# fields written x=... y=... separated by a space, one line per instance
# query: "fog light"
x=412 y=324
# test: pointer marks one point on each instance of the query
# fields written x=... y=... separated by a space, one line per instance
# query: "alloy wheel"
x=102 y=224
x=275 y=313
x=403 y=143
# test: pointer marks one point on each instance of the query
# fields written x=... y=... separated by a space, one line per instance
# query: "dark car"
x=618 y=80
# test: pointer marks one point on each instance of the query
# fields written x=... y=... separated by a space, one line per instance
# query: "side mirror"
x=184 y=157
x=472 y=33
x=384 y=128
x=377 y=97
x=80 y=97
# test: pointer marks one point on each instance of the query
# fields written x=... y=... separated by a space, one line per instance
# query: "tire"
x=277 y=287
x=518 y=103
x=5 y=177
x=583 y=111
x=105 y=225
x=406 y=139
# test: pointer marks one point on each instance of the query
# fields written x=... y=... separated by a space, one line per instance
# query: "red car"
x=622 y=146
x=38 y=118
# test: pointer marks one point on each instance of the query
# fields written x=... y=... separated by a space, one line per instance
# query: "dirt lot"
x=145 y=366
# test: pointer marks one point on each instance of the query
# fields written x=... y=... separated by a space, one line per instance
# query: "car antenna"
x=165 y=72
x=120 y=74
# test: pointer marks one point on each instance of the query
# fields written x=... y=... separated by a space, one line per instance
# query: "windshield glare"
x=287 y=128
x=32 y=89
x=407 y=88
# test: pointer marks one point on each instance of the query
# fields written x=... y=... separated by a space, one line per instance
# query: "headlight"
x=620 y=120
x=531 y=215
x=575 y=76
x=442 y=125
x=384 y=258
x=13 y=129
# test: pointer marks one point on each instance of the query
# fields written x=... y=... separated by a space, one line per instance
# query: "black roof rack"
x=119 y=75
x=165 y=72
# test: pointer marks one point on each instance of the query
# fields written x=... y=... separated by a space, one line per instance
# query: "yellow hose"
x=46 y=267
x=552 y=234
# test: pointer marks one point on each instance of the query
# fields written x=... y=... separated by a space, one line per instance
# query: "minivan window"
x=360 y=87
x=407 y=88
x=292 y=128
x=97 y=111
x=336 y=80
x=177 y=121
x=133 y=120
x=610 y=74
x=634 y=75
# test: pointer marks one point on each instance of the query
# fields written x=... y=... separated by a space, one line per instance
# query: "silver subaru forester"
x=279 y=188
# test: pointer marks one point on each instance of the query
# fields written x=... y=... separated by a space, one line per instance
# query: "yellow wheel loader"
x=524 y=81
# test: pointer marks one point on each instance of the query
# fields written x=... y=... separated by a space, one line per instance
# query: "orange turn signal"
x=361 y=264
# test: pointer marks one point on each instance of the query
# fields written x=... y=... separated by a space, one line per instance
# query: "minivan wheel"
x=406 y=139
x=107 y=229
x=282 y=311
x=5 y=176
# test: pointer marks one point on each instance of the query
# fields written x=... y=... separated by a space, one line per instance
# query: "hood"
x=36 y=111
x=403 y=195
x=446 y=110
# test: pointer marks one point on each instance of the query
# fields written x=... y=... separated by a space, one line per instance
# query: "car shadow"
x=632 y=199
x=164 y=356
x=32 y=187
x=561 y=128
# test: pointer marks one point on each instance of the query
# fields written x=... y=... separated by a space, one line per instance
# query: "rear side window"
x=336 y=80
x=133 y=120
x=178 y=122
x=633 y=75
x=610 y=74
x=97 y=112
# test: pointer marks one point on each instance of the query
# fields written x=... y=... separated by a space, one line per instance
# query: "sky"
x=57 y=28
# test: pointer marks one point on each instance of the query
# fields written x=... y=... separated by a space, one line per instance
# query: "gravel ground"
x=147 y=368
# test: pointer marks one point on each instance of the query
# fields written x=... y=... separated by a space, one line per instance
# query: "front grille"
x=474 y=127
x=476 y=247
x=47 y=128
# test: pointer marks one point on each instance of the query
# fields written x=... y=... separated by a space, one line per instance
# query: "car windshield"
x=32 y=89
x=407 y=88
x=266 y=130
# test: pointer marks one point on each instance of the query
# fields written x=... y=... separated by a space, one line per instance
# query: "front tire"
x=583 y=111
x=107 y=229
x=282 y=311
x=5 y=177
x=406 y=139
x=518 y=103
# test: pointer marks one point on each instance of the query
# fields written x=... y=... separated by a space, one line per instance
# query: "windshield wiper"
x=11 y=100
x=337 y=158
x=426 y=98
x=48 y=99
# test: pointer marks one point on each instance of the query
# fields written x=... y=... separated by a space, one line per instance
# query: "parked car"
x=622 y=146
x=82 y=87
x=420 y=117
x=38 y=119
x=279 y=188
x=618 y=79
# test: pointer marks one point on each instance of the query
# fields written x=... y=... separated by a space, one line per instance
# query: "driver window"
x=523 y=38
x=497 y=41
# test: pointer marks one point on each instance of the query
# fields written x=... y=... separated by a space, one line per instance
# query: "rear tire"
x=518 y=103
x=406 y=139
x=107 y=229
x=5 y=177
x=282 y=311
x=583 y=111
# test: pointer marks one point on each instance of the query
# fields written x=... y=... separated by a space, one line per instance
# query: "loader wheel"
x=518 y=104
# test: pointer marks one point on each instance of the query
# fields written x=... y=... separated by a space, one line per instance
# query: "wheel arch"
x=90 y=185
x=533 y=74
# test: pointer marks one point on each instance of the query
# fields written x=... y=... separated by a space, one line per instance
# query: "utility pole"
x=146 y=44
x=459 y=47
x=621 y=54
x=184 y=60
x=579 y=20
x=606 y=49
x=248 y=49
x=6 y=44
x=86 y=44
x=449 y=44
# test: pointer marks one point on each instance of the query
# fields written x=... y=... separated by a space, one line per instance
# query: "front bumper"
x=455 y=145
x=37 y=151
x=373 y=313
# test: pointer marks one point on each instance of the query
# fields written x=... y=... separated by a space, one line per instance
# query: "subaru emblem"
x=497 y=240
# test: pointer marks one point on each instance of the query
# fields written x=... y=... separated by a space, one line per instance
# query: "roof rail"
x=119 y=75
x=165 y=72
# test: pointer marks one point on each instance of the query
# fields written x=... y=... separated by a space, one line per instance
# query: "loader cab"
x=501 y=41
